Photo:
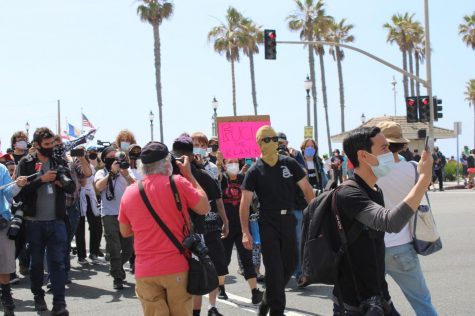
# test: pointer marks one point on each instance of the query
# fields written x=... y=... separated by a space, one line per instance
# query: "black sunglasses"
x=267 y=140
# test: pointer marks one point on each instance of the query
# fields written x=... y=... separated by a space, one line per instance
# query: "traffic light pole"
x=429 y=74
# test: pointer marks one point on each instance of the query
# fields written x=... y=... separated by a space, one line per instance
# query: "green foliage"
x=450 y=170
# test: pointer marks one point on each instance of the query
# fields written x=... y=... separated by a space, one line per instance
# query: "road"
x=449 y=275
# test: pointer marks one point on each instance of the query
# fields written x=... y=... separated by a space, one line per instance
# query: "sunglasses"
x=267 y=140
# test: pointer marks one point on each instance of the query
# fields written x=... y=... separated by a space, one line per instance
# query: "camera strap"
x=159 y=221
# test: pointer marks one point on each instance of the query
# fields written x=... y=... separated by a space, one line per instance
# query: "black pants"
x=279 y=252
x=235 y=238
x=95 y=232
x=22 y=253
x=440 y=176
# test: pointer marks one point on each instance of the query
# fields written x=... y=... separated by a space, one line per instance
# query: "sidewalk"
x=452 y=185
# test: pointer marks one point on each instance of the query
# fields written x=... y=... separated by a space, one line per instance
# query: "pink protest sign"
x=237 y=139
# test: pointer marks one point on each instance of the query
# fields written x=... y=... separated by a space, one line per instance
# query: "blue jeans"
x=402 y=264
x=49 y=236
x=298 y=227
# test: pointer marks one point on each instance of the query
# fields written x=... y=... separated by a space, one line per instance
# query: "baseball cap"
x=6 y=156
x=281 y=136
x=393 y=132
x=153 y=151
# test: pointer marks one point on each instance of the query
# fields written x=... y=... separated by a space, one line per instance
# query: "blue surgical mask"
x=199 y=151
x=385 y=164
x=309 y=151
x=124 y=146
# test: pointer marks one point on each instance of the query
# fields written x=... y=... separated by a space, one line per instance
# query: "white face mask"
x=385 y=164
x=232 y=168
x=21 y=145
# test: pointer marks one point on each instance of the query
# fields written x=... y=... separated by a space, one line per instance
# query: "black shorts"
x=216 y=252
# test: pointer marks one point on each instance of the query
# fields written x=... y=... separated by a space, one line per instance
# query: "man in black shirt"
x=363 y=202
x=274 y=178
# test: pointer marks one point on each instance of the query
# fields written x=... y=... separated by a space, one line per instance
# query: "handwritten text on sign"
x=238 y=139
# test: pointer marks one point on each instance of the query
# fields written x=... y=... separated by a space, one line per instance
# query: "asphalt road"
x=449 y=275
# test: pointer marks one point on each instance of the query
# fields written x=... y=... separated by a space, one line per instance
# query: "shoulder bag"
x=202 y=276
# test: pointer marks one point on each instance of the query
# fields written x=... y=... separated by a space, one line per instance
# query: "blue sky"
x=98 y=55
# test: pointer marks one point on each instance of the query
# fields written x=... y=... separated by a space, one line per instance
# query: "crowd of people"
x=209 y=203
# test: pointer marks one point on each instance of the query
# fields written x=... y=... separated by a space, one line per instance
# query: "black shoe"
x=24 y=270
x=213 y=311
x=40 y=304
x=263 y=309
x=118 y=284
x=59 y=310
x=257 y=296
x=222 y=293
x=260 y=278
x=14 y=279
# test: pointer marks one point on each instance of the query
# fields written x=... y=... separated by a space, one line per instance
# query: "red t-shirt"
x=155 y=254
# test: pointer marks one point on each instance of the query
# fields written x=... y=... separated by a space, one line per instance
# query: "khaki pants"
x=164 y=295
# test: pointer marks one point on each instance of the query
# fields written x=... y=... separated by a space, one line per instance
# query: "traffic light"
x=411 y=109
x=437 y=109
x=270 y=51
x=424 y=109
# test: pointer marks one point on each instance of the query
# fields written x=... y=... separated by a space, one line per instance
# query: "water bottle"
x=254 y=225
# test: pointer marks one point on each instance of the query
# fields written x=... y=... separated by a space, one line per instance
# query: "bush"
x=450 y=170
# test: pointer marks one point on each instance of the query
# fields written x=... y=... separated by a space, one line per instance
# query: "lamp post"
x=151 y=117
x=214 y=127
x=394 y=82
x=363 y=118
x=27 y=127
x=307 y=84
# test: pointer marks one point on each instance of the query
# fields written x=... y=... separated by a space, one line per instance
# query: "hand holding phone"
x=426 y=144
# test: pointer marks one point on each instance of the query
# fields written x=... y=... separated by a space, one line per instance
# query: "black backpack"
x=324 y=241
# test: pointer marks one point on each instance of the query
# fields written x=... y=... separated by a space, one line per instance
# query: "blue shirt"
x=7 y=194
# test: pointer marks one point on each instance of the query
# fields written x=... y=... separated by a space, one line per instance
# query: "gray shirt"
x=46 y=198
x=119 y=184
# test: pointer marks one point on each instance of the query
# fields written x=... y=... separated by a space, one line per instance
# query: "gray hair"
x=162 y=166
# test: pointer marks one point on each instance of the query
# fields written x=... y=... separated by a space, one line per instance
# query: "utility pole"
x=59 y=118
x=429 y=74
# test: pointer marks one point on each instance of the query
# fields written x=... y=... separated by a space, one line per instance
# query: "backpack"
x=324 y=241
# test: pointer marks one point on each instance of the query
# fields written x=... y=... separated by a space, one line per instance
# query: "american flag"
x=86 y=122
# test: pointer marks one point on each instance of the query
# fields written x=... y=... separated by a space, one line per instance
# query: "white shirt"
x=327 y=165
x=396 y=185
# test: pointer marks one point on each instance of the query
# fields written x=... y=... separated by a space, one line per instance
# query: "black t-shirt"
x=275 y=186
x=367 y=252
x=211 y=188
x=232 y=198
x=17 y=158
x=471 y=161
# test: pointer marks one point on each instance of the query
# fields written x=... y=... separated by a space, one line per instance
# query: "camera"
x=194 y=244
x=121 y=158
x=16 y=222
x=375 y=306
x=62 y=177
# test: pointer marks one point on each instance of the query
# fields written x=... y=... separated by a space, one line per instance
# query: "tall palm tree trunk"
x=234 y=87
x=311 y=62
x=404 y=80
x=325 y=102
x=158 y=75
x=342 y=91
x=418 y=85
x=411 y=69
x=253 y=82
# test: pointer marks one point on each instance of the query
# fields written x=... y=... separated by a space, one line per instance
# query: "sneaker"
x=257 y=296
x=14 y=279
x=222 y=293
x=59 y=310
x=118 y=284
x=100 y=254
x=40 y=304
x=82 y=260
x=213 y=311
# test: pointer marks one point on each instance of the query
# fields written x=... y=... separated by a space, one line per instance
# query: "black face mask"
x=58 y=151
x=47 y=152
x=108 y=163
x=214 y=148
x=133 y=156
x=92 y=156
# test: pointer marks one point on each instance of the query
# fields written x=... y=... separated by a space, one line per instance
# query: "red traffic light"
x=411 y=102
x=425 y=101
x=271 y=35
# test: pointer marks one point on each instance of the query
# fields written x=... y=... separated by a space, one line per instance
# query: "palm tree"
x=253 y=37
x=154 y=12
x=228 y=39
x=470 y=97
x=397 y=33
x=340 y=33
x=303 y=20
x=467 y=30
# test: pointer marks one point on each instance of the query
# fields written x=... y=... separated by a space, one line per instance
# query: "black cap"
x=183 y=144
x=106 y=151
x=153 y=151
x=281 y=136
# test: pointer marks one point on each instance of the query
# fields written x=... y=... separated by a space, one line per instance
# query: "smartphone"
x=426 y=143
x=248 y=161
x=80 y=152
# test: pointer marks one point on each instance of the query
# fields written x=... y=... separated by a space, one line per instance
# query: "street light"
x=151 y=117
x=214 y=127
x=363 y=118
x=307 y=84
x=27 y=127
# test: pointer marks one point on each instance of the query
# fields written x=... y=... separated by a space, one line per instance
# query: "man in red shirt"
x=160 y=269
